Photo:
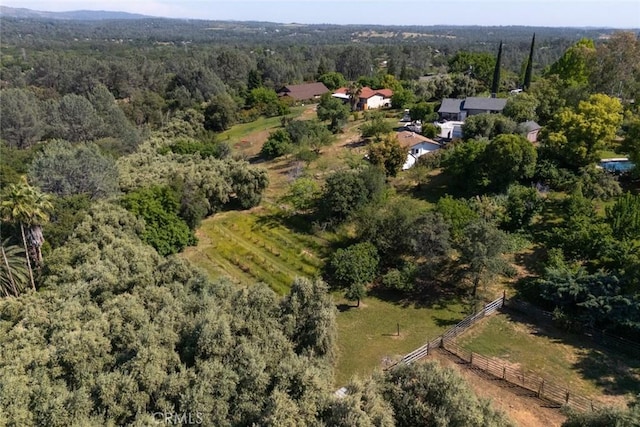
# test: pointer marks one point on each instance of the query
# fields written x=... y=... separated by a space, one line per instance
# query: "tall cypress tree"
x=529 y=70
x=496 y=72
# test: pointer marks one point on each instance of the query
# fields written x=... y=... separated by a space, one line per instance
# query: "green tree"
x=463 y=164
x=347 y=191
x=265 y=101
x=482 y=252
x=388 y=154
x=604 y=418
x=14 y=277
x=426 y=394
x=523 y=203
x=495 y=83
x=334 y=110
x=577 y=136
x=309 y=318
x=457 y=214
x=479 y=64
x=164 y=229
x=21 y=123
x=75 y=119
x=624 y=217
x=333 y=80
x=353 y=268
x=508 y=159
x=375 y=126
x=278 y=144
x=487 y=126
x=353 y=91
x=616 y=68
x=303 y=194
x=26 y=206
x=354 y=61
x=631 y=143
x=220 y=113
x=573 y=67
x=547 y=92
x=402 y=98
x=424 y=112
x=528 y=73
x=521 y=108
x=390 y=227
x=65 y=169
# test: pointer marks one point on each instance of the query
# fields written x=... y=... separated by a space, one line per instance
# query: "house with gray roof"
x=459 y=109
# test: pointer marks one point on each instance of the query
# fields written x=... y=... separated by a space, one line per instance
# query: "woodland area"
x=116 y=147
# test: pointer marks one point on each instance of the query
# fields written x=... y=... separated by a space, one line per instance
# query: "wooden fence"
x=539 y=387
x=542 y=388
x=463 y=325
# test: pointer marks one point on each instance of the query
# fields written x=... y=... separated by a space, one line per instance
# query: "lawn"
x=367 y=334
x=562 y=358
x=238 y=132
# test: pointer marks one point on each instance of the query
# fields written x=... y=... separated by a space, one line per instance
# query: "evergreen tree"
x=495 y=85
x=529 y=71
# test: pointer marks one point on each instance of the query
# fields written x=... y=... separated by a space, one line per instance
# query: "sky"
x=549 y=13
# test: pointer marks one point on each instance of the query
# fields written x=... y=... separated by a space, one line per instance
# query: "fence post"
x=504 y=372
x=504 y=297
x=471 y=359
x=541 y=388
x=566 y=398
x=427 y=348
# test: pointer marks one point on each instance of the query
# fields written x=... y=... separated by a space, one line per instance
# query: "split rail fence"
x=539 y=387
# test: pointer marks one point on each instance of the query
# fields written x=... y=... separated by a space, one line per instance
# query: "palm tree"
x=27 y=206
x=13 y=275
x=354 y=90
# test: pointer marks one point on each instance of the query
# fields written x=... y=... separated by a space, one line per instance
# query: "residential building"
x=304 y=92
x=459 y=109
x=368 y=98
x=416 y=146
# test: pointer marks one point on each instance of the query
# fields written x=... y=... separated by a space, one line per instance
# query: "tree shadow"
x=615 y=371
x=344 y=307
x=614 y=374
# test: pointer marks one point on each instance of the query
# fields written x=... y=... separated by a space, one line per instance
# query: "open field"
x=562 y=358
x=367 y=334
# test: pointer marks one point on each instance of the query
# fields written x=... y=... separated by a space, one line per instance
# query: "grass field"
x=240 y=131
x=560 y=357
x=367 y=334
x=251 y=247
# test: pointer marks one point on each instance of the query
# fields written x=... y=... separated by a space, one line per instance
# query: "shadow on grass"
x=344 y=307
x=616 y=372
x=434 y=297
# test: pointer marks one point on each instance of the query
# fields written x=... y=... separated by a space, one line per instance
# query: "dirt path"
x=520 y=406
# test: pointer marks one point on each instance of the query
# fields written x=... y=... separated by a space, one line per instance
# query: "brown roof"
x=366 y=92
x=304 y=91
x=408 y=139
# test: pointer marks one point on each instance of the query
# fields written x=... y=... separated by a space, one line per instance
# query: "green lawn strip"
x=366 y=335
x=565 y=359
x=279 y=241
x=278 y=270
x=237 y=244
x=239 y=131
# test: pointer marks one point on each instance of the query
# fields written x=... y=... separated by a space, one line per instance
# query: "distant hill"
x=77 y=15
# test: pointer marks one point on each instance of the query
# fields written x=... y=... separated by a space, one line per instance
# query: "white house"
x=416 y=145
x=368 y=98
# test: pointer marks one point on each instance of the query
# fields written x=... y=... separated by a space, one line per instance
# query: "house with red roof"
x=367 y=98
